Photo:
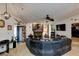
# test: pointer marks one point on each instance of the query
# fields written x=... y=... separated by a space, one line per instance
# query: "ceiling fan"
x=6 y=14
x=48 y=18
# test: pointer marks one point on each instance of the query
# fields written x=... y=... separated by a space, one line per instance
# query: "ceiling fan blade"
x=48 y=18
x=51 y=19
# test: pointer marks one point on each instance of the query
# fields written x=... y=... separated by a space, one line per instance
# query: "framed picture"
x=2 y=23
x=9 y=27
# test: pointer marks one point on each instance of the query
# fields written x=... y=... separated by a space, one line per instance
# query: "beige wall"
x=28 y=29
x=4 y=32
x=68 y=22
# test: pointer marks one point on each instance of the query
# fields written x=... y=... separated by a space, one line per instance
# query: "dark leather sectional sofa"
x=49 y=48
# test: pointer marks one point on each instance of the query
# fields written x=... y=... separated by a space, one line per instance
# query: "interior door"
x=19 y=34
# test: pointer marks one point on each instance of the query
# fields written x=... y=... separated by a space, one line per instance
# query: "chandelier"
x=6 y=14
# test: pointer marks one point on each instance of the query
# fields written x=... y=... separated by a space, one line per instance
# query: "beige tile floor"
x=22 y=50
x=75 y=48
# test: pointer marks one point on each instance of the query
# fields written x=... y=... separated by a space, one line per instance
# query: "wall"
x=28 y=29
x=7 y=34
x=45 y=29
x=68 y=22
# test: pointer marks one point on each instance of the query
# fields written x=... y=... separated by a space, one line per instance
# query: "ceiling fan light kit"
x=48 y=18
x=6 y=15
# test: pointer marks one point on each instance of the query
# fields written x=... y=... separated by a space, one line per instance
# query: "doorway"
x=21 y=33
x=75 y=32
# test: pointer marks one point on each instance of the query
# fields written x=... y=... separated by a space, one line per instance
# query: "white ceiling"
x=37 y=11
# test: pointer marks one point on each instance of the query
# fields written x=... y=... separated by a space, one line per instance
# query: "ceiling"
x=29 y=12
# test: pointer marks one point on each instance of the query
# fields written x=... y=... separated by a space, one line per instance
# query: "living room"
x=41 y=23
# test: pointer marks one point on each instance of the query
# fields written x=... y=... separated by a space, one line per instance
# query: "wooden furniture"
x=52 y=34
x=24 y=33
x=38 y=31
x=38 y=34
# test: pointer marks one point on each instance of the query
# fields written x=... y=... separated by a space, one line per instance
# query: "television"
x=61 y=27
